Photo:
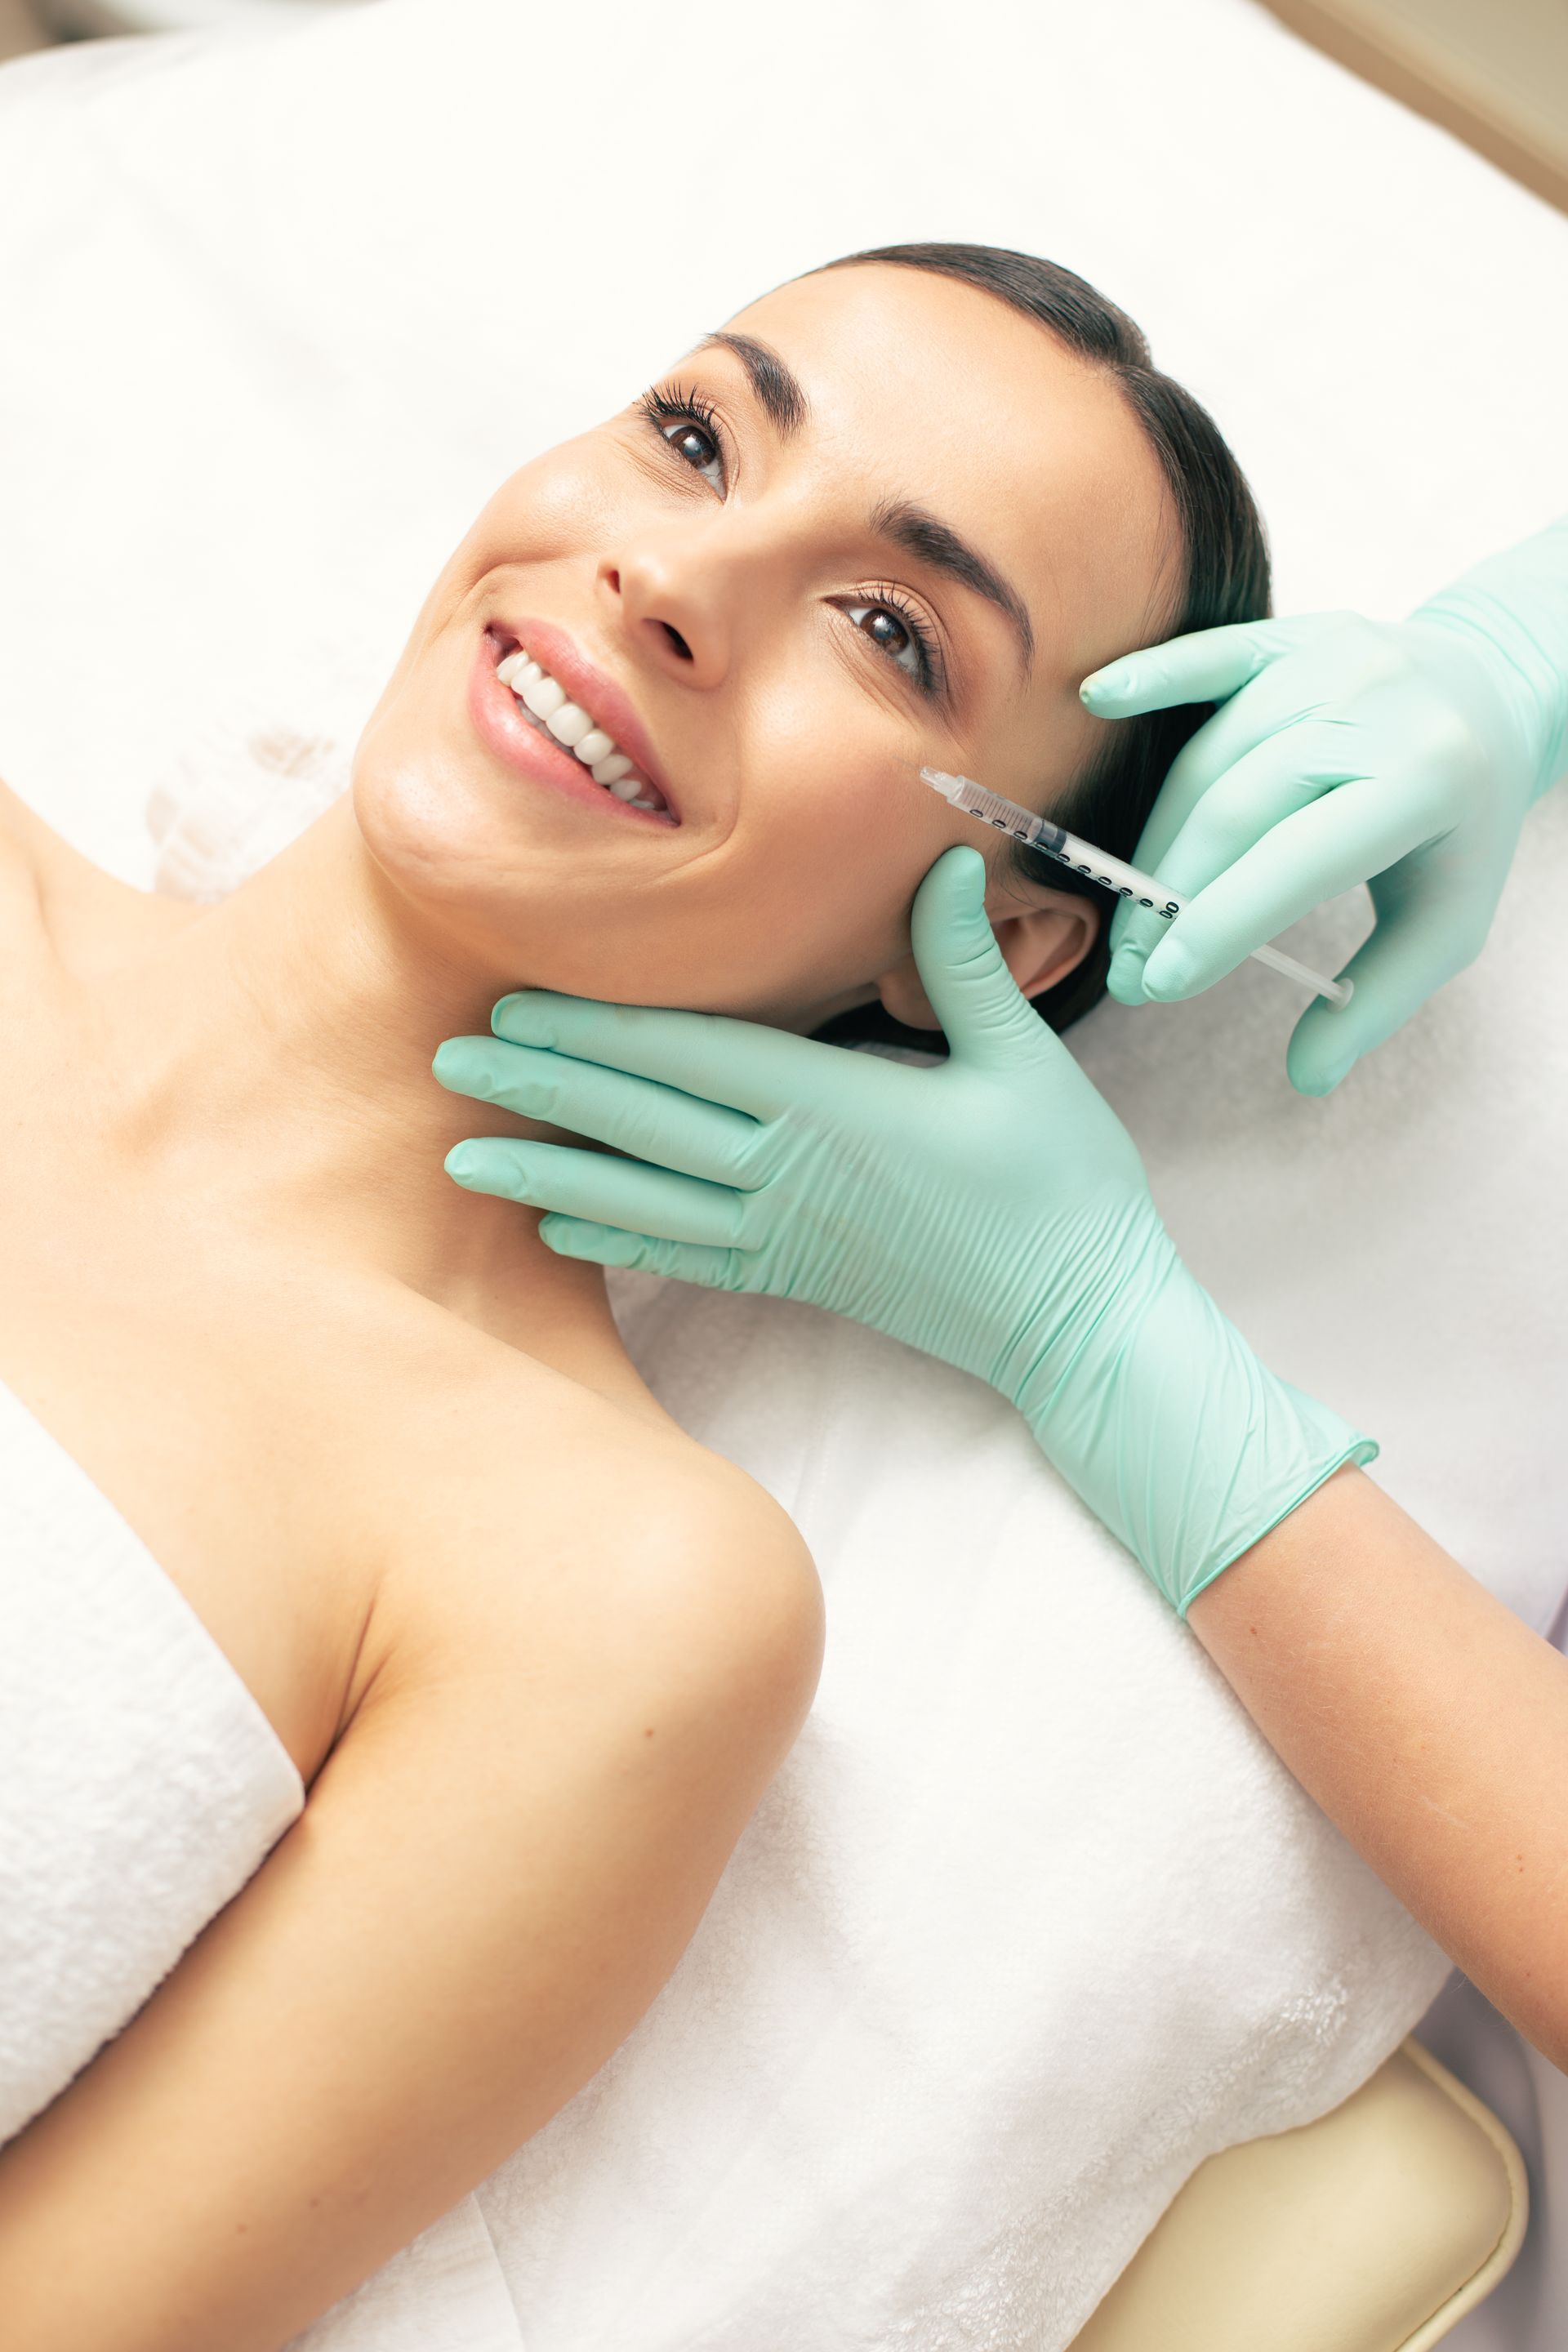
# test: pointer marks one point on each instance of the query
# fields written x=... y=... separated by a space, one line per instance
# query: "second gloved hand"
x=993 y=1211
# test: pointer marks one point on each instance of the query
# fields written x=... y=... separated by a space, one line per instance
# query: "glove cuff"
x=1327 y=1444
x=1185 y=1445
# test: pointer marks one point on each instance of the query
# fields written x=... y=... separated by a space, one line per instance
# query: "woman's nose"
x=675 y=609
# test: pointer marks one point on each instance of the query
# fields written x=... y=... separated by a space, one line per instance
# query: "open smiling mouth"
x=573 y=732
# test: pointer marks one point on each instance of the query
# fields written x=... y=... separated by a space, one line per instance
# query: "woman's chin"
x=520 y=912
x=436 y=833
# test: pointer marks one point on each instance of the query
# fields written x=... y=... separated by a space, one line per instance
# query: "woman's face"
x=884 y=520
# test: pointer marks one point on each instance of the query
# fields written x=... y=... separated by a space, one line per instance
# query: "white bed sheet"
x=278 y=315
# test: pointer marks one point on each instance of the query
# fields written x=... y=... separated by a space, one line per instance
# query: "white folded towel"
x=142 y=1784
x=1030 y=1921
x=444 y=2292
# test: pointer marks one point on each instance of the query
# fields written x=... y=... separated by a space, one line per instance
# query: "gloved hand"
x=993 y=1211
x=1402 y=754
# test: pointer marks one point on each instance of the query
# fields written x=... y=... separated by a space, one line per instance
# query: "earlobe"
x=1039 y=947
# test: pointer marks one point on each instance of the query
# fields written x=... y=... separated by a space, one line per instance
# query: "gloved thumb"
x=1394 y=971
x=986 y=1020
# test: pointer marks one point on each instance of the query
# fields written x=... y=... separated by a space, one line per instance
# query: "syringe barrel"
x=1100 y=867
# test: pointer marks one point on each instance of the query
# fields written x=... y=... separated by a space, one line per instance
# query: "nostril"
x=676 y=640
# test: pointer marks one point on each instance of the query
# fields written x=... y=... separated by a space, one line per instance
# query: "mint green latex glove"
x=993 y=1211
x=1404 y=755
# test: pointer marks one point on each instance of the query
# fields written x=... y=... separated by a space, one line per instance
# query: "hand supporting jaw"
x=993 y=1212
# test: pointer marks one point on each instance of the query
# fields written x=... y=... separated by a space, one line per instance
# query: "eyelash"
x=674 y=404
x=665 y=405
x=886 y=598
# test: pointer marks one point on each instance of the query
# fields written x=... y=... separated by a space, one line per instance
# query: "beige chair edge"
x=1500 y=2260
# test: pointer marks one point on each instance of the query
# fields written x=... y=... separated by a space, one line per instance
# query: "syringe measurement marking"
x=1040 y=832
x=1167 y=914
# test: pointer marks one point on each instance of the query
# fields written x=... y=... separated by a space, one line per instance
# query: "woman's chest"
x=196 y=1388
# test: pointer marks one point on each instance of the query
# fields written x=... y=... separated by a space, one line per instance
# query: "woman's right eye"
x=689 y=427
x=694 y=445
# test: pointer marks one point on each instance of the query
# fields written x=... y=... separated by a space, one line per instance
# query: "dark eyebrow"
x=782 y=398
x=920 y=534
x=779 y=391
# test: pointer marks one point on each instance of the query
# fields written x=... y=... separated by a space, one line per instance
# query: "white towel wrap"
x=142 y=1783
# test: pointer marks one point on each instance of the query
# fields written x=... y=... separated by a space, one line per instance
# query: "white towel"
x=1029 y=1922
x=443 y=2292
x=142 y=1784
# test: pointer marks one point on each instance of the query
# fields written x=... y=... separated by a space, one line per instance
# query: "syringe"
x=1054 y=841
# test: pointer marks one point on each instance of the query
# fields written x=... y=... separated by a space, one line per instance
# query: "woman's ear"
x=1039 y=947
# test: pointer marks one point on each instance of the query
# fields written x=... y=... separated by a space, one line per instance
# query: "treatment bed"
x=1038 y=2005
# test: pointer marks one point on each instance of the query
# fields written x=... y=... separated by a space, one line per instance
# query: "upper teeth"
x=569 y=724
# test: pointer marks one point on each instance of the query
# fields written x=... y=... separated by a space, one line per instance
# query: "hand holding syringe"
x=1142 y=889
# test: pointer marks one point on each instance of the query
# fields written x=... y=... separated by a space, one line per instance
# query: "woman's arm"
x=497 y=1868
x=1427 y=1721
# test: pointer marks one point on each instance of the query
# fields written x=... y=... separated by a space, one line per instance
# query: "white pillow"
x=281 y=313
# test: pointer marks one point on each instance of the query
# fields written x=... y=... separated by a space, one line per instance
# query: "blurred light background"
x=36 y=24
x=1494 y=72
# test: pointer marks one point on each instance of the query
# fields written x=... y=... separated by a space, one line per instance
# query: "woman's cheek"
x=557 y=505
x=837 y=892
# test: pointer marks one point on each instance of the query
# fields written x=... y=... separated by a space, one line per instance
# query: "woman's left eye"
x=898 y=633
x=689 y=427
x=697 y=447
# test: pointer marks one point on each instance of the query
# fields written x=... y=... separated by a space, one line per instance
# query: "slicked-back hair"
x=1223 y=577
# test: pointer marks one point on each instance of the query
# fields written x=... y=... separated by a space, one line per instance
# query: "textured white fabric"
x=1030 y=1917
x=142 y=1783
x=443 y=2292
x=1031 y=1920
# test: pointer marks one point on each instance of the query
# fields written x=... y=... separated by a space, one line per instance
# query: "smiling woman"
x=882 y=518
x=534 y=1655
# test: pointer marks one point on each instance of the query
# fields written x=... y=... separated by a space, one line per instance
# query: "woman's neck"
x=281 y=1041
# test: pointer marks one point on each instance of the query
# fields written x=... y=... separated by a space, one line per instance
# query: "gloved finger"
x=741 y=1064
x=1264 y=786
x=1124 y=974
x=1200 y=764
x=1273 y=708
x=712 y=1269
x=588 y=1184
x=637 y=1115
x=1235 y=730
x=986 y=1020
x=1427 y=931
x=1332 y=845
x=1206 y=665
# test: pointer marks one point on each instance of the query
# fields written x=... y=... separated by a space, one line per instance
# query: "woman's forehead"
x=916 y=387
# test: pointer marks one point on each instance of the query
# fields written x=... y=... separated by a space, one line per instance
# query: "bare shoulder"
x=502 y=1862
x=535 y=1506
x=27 y=838
x=88 y=915
x=21 y=838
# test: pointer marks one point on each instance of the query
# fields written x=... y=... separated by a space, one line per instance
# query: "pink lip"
x=497 y=718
